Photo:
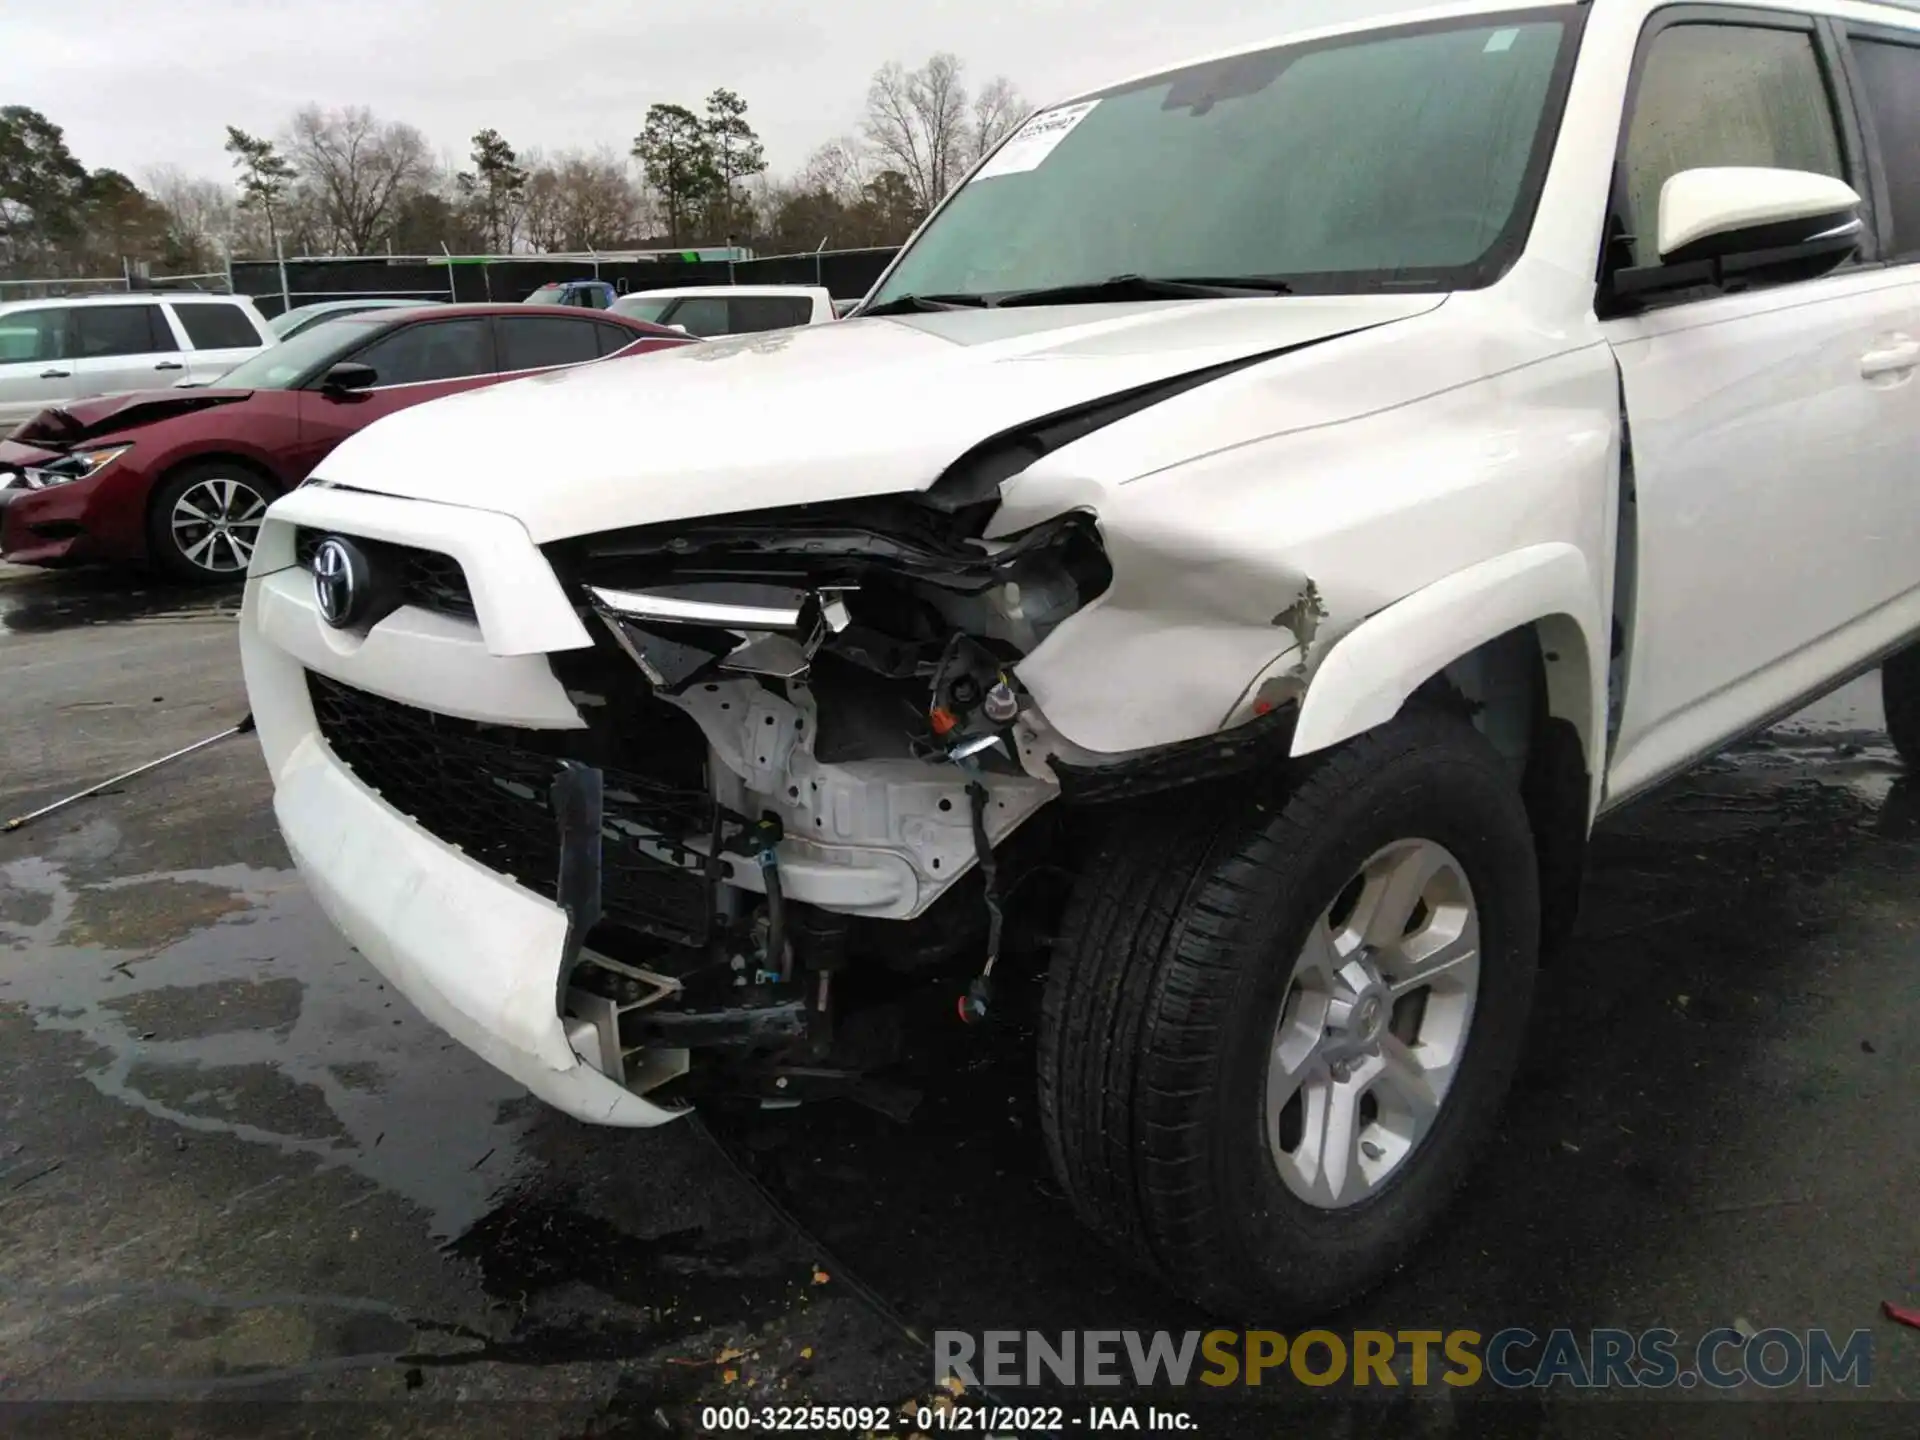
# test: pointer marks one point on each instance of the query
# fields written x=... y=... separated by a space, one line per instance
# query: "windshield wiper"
x=1148 y=287
x=924 y=304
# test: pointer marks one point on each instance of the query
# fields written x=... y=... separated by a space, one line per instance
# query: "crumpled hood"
x=61 y=426
x=827 y=412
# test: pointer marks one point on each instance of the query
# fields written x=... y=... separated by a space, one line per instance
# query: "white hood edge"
x=822 y=413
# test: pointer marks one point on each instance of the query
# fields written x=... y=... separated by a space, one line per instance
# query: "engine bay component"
x=691 y=610
x=884 y=584
x=895 y=627
x=851 y=670
x=578 y=800
x=974 y=1004
x=972 y=697
x=675 y=633
x=761 y=840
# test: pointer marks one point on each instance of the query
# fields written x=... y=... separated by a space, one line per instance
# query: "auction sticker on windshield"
x=1035 y=140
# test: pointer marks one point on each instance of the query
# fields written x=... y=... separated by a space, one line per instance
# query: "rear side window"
x=103 y=331
x=440 y=350
x=33 y=335
x=702 y=315
x=217 y=327
x=1890 y=74
x=644 y=307
x=537 y=341
x=1723 y=95
x=613 y=338
x=769 y=312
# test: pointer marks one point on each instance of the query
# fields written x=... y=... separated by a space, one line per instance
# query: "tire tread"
x=1146 y=985
x=1900 y=697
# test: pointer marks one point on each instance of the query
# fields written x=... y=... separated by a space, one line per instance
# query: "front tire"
x=1277 y=1029
x=1900 y=696
x=205 y=519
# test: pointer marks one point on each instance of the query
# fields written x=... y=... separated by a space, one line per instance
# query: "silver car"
x=75 y=347
x=289 y=323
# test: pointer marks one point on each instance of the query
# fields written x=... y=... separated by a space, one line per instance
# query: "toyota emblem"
x=339 y=582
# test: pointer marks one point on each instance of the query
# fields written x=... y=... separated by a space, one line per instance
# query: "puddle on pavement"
x=38 y=603
x=244 y=1014
x=663 y=1288
x=221 y=1002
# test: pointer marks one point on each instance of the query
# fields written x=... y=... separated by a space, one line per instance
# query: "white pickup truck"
x=1261 y=520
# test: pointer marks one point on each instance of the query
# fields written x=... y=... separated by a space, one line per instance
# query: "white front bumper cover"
x=478 y=955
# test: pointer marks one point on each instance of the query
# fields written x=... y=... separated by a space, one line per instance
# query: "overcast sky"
x=137 y=84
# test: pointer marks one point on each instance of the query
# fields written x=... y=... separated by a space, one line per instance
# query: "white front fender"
x=1371 y=670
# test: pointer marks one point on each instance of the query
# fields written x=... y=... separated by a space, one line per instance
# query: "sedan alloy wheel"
x=215 y=523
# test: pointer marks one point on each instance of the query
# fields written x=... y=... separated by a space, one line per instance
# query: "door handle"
x=1896 y=358
x=56 y=374
x=169 y=365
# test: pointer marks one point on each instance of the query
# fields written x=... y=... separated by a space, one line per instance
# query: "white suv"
x=77 y=347
x=1279 y=502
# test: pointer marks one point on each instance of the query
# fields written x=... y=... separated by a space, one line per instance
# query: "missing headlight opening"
x=831 y=695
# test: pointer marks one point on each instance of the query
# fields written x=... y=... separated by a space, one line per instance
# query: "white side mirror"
x=1725 y=210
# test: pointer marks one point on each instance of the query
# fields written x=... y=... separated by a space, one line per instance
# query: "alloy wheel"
x=1374 y=1025
x=216 y=522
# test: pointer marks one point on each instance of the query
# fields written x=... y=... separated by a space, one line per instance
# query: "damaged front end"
x=807 y=748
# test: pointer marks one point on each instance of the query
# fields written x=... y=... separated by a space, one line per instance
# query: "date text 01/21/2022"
x=984 y=1420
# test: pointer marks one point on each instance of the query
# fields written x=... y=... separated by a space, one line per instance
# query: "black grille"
x=485 y=788
x=425 y=577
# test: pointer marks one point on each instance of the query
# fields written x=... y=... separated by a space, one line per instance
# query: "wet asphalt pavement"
x=236 y=1170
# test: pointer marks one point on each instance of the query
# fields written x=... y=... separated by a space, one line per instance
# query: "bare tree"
x=540 y=211
x=304 y=224
x=839 y=168
x=578 y=201
x=346 y=180
x=357 y=170
x=198 y=205
x=996 y=113
x=597 y=204
x=200 y=212
x=760 y=198
x=917 y=124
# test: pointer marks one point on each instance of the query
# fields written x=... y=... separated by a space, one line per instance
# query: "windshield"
x=1403 y=157
x=280 y=367
x=301 y=316
x=549 y=295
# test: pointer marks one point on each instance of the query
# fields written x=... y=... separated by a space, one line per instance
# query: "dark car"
x=181 y=477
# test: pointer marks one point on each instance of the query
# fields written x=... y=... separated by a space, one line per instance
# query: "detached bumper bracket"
x=576 y=797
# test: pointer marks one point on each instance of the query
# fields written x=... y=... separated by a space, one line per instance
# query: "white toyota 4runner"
x=1265 y=515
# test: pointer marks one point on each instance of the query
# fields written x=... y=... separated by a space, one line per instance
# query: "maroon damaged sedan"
x=180 y=478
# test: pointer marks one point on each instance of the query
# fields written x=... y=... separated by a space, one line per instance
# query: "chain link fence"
x=277 y=285
x=130 y=279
